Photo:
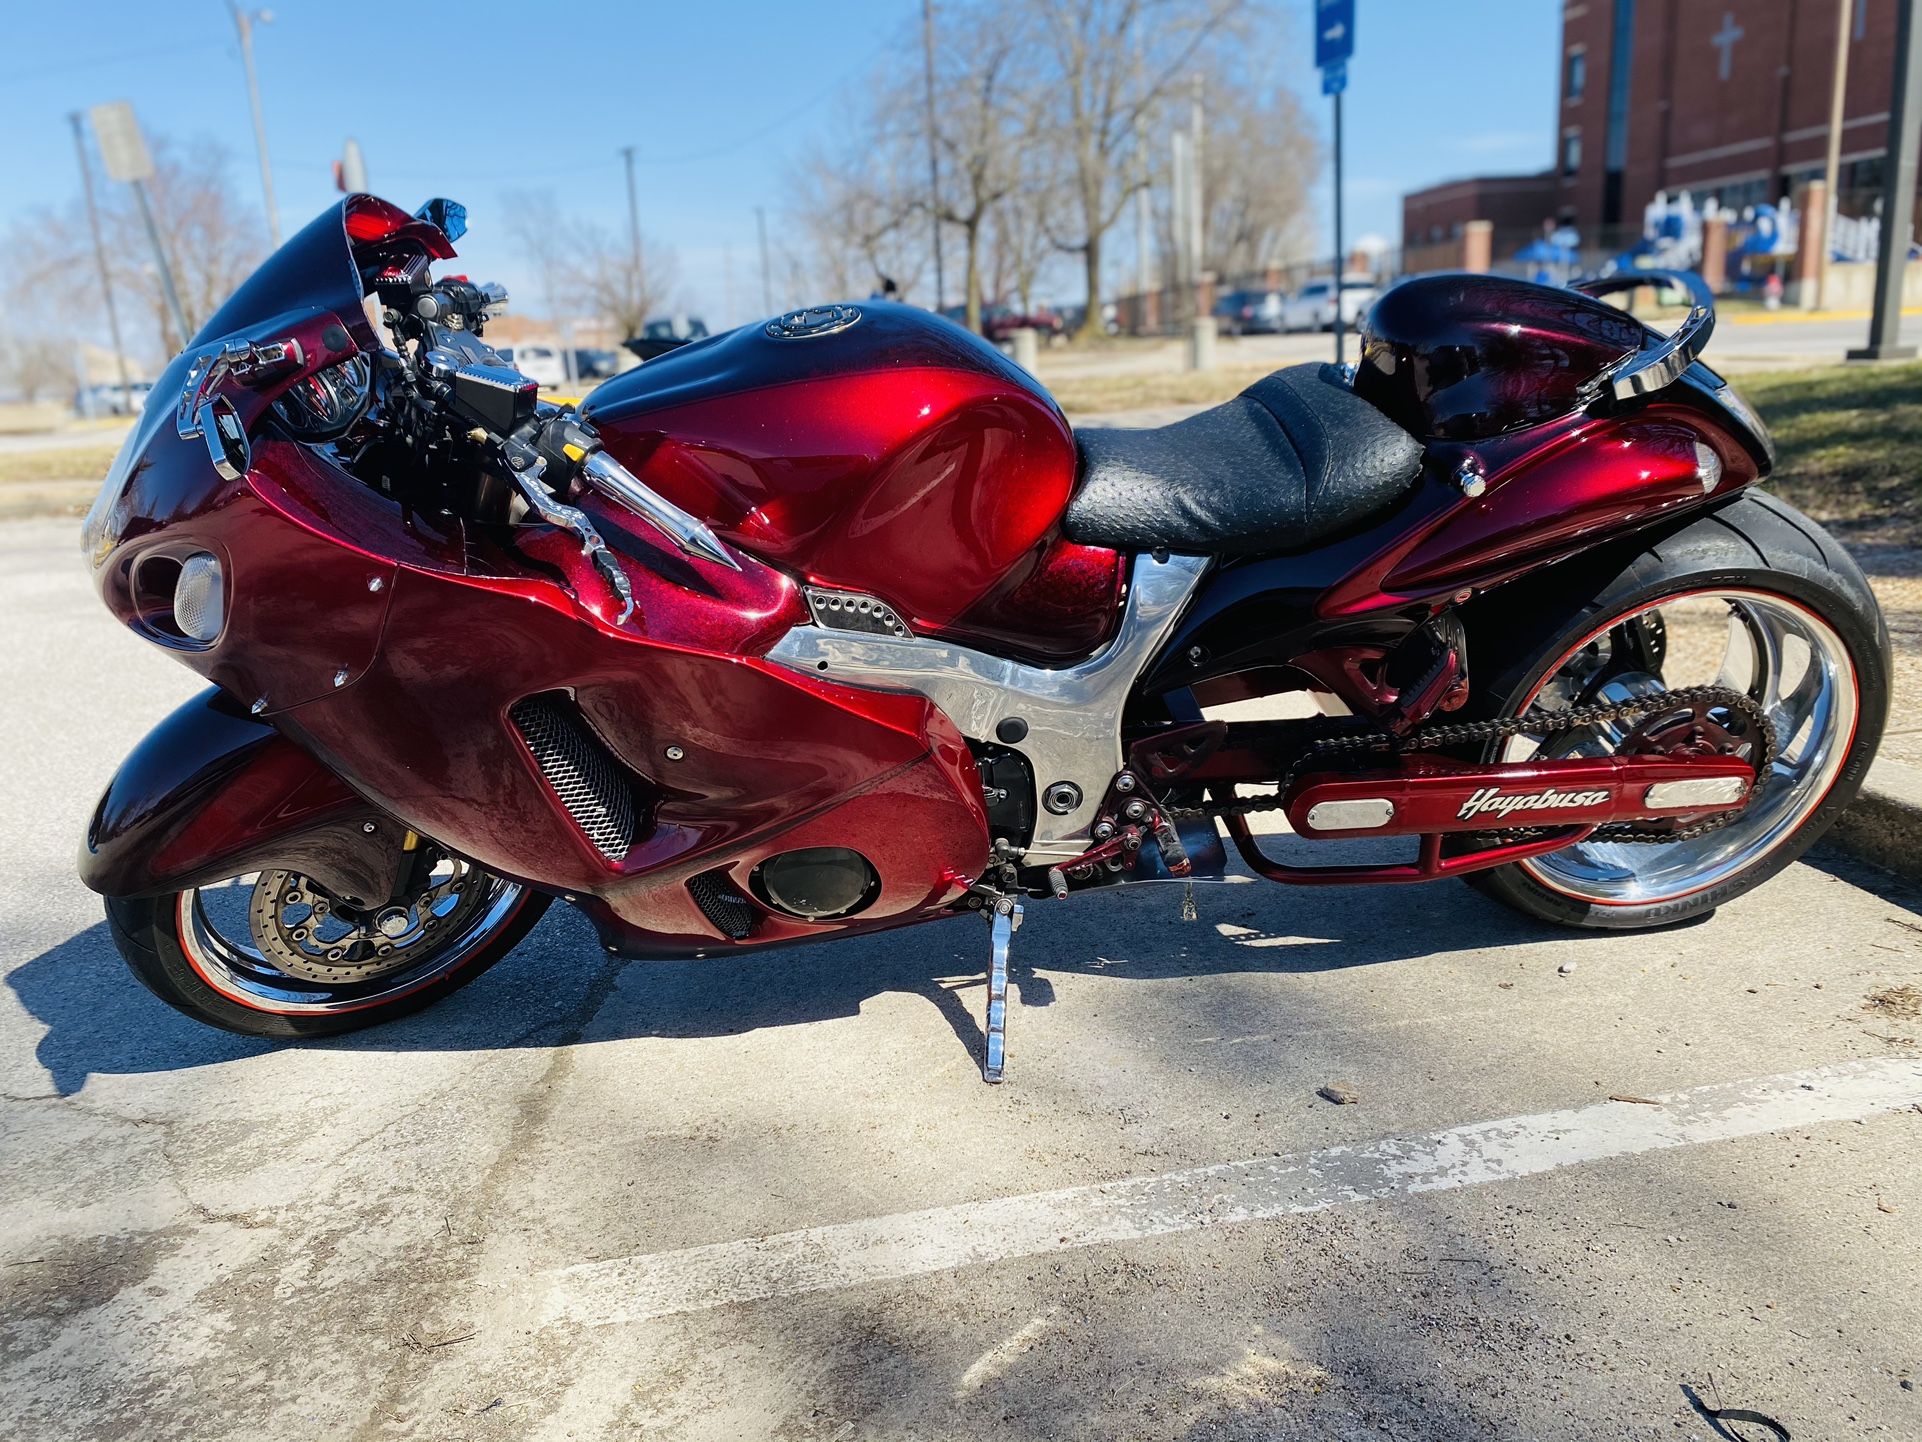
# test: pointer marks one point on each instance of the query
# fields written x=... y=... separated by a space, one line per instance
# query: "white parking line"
x=938 y=1239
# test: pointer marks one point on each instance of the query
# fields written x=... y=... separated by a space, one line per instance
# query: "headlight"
x=200 y=599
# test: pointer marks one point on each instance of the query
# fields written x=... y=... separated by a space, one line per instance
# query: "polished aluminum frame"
x=1072 y=713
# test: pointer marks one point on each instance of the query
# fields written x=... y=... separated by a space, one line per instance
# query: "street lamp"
x=244 y=24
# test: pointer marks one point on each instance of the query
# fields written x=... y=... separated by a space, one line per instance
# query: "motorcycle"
x=831 y=624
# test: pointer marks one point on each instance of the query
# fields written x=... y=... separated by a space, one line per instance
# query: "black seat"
x=1293 y=459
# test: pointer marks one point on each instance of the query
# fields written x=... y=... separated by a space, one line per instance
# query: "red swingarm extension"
x=1431 y=797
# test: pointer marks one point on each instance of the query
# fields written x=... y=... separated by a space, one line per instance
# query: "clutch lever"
x=575 y=522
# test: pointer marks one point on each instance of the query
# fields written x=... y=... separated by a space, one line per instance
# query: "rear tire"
x=168 y=944
x=1521 y=637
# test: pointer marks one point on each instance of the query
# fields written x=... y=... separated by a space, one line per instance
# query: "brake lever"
x=575 y=522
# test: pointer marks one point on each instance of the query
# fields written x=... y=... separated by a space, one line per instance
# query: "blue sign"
x=1334 y=79
x=1334 y=34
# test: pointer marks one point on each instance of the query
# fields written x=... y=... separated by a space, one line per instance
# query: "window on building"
x=1575 y=81
x=1571 y=152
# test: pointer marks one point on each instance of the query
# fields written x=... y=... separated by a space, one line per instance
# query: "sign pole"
x=1340 y=336
x=123 y=149
x=1334 y=43
x=160 y=261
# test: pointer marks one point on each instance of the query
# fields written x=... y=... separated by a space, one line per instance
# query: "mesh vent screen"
x=589 y=782
x=722 y=904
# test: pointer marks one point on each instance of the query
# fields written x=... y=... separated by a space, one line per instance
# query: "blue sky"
x=484 y=99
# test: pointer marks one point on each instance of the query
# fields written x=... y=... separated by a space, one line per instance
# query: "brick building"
x=1433 y=220
x=1723 y=98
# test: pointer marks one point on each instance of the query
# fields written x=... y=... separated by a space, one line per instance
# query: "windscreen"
x=321 y=266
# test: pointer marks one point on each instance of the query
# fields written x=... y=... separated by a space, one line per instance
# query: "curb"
x=1883 y=825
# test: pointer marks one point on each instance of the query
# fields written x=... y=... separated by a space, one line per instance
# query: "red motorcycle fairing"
x=1550 y=492
x=429 y=633
x=211 y=793
x=896 y=455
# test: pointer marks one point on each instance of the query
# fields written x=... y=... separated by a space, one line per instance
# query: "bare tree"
x=1259 y=155
x=586 y=268
x=212 y=241
x=866 y=186
x=983 y=125
x=597 y=269
x=1018 y=238
x=1100 y=87
x=31 y=364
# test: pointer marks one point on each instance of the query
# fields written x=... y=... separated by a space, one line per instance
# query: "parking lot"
x=1584 y=1179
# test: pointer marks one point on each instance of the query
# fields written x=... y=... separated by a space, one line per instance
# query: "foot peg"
x=1001 y=930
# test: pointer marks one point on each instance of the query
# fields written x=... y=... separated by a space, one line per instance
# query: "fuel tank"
x=881 y=449
x=1466 y=357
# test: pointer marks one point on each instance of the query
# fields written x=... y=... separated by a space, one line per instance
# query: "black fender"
x=212 y=793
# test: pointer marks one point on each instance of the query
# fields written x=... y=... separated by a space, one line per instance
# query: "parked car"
x=595 y=365
x=1249 y=312
x=110 y=400
x=537 y=362
x=1313 y=306
x=675 y=327
x=1000 y=322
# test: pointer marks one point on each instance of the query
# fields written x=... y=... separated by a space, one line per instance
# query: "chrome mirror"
x=226 y=438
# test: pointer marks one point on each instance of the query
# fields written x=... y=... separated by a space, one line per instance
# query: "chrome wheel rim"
x=263 y=939
x=1772 y=649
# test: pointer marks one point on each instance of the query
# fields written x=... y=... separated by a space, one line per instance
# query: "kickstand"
x=1006 y=922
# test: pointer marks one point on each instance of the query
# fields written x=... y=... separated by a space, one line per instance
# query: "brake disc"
x=303 y=932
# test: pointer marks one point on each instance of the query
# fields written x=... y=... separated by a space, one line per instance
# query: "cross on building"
x=1725 y=38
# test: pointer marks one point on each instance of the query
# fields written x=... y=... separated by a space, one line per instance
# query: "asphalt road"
x=770 y=1198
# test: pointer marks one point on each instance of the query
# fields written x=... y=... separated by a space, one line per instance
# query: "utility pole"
x=633 y=227
x=244 y=23
x=1838 y=94
x=1898 y=191
x=1197 y=200
x=767 y=285
x=100 y=259
x=934 y=154
x=1142 y=276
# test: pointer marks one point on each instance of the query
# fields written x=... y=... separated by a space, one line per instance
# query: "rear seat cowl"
x=1295 y=458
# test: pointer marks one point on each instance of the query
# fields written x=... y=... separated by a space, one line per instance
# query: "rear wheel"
x=1755 y=598
x=273 y=955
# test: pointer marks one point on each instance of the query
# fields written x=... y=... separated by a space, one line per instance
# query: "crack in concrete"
x=533 y=1107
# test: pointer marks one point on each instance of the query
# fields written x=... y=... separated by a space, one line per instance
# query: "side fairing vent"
x=721 y=902
x=594 y=787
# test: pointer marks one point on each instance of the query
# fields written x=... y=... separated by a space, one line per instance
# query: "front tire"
x=1801 y=615
x=238 y=957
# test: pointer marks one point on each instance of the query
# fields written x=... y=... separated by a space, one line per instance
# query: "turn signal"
x=200 y=599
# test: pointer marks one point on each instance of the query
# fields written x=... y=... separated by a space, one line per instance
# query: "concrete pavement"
x=769 y=1197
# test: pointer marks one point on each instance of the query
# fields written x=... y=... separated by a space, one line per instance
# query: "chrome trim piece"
x=1361 y=814
x=1073 y=712
x=575 y=522
x=852 y=611
x=812 y=321
x=1704 y=791
x=245 y=359
x=1650 y=368
x=615 y=481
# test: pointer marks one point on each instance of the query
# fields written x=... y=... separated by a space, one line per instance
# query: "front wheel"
x=272 y=955
x=1753 y=597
